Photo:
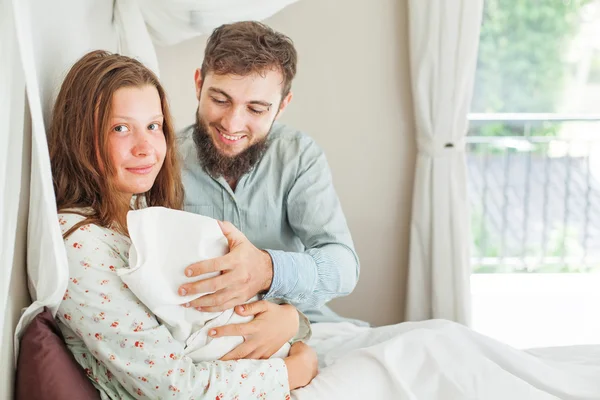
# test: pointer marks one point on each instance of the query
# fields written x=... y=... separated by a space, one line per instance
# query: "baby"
x=163 y=243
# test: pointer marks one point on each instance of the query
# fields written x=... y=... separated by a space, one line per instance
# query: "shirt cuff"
x=304 y=330
x=294 y=275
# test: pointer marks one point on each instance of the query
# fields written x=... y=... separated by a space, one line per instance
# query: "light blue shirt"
x=286 y=205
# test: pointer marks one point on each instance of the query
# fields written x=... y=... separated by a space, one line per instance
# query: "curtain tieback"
x=439 y=148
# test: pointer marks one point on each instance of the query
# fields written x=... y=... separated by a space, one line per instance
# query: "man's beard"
x=217 y=164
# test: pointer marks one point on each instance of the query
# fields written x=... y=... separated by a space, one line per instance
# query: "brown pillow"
x=46 y=369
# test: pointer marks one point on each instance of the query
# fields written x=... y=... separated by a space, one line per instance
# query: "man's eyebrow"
x=219 y=91
x=261 y=103
x=257 y=102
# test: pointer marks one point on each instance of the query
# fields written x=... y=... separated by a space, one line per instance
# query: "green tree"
x=521 y=64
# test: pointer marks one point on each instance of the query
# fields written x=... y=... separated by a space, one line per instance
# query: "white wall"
x=352 y=94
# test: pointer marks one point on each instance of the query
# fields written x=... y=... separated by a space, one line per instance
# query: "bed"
x=441 y=360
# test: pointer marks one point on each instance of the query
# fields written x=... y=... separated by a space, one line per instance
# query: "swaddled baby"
x=163 y=243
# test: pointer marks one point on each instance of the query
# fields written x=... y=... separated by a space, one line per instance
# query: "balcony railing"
x=534 y=187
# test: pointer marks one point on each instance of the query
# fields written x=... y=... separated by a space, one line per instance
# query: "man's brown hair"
x=78 y=142
x=249 y=47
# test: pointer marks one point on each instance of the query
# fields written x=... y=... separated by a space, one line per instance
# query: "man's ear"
x=198 y=82
x=284 y=103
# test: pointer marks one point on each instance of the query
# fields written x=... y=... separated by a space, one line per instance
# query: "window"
x=534 y=139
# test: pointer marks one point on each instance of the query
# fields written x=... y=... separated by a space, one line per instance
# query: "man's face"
x=238 y=111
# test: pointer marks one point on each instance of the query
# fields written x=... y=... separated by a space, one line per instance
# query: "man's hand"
x=245 y=271
x=273 y=325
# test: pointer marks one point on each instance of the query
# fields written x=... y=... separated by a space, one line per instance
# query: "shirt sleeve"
x=329 y=266
x=304 y=329
x=134 y=347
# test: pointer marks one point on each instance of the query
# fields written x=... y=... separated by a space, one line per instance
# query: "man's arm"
x=329 y=267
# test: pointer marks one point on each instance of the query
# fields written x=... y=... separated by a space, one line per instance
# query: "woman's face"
x=136 y=142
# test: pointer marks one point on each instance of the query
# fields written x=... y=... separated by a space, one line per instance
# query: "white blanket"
x=163 y=243
x=441 y=360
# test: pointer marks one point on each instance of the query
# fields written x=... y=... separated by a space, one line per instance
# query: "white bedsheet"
x=442 y=360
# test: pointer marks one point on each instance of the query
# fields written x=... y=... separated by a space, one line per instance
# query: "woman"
x=112 y=149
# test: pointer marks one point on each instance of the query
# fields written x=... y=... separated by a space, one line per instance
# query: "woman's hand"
x=302 y=365
x=273 y=325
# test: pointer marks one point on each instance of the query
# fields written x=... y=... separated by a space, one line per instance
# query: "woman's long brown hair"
x=78 y=143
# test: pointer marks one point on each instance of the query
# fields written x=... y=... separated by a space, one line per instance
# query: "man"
x=271 y=182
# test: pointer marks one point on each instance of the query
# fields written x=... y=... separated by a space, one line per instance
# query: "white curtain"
x=42 y=30
x=12 y=100
x=443 y=37
x=39 y=41
x=174 y=21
